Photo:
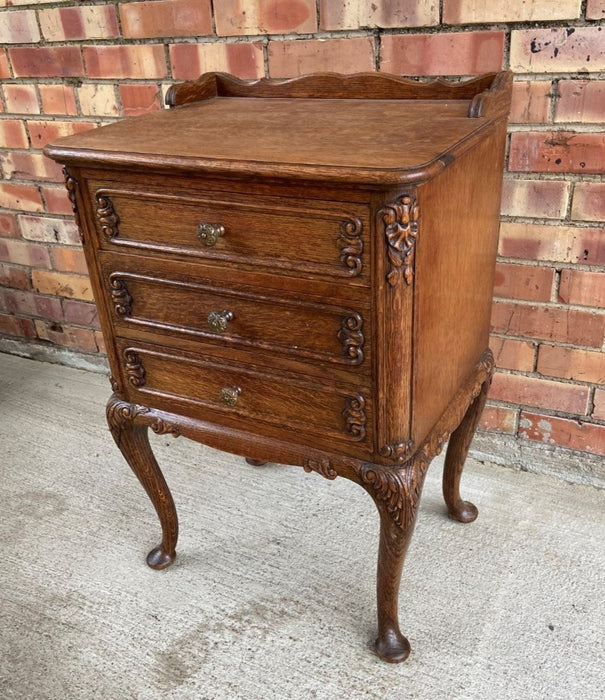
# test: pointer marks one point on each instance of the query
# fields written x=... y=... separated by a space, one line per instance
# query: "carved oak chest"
x=300 y=272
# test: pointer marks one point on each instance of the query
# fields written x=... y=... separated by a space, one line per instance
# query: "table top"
x=376 y=140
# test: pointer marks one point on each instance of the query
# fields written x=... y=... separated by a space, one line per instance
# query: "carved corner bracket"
x=107 y=217
x=120 y=412
x=400 y=221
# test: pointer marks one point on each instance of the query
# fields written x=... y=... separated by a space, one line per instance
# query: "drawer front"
x=242 y=397
x=322 y=238
x=301 y=329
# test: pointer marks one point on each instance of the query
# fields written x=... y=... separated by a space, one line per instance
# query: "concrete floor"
x=272 y=595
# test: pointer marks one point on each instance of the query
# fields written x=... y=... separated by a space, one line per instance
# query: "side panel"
x=453 y=278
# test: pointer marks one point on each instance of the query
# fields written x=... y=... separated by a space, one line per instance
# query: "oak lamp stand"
x=300 y=272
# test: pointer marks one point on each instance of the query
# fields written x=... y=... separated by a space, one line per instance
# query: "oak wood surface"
x=300 y=272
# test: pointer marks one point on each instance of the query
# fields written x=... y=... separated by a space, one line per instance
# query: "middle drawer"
x=173 y=303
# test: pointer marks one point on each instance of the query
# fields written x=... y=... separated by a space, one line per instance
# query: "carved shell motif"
x=400 y=219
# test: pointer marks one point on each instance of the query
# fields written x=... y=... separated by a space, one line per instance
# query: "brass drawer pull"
x=209 y=233
x=218 y=320
x=229 y=395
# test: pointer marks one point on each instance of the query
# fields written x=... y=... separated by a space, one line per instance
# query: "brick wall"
x=68 y=66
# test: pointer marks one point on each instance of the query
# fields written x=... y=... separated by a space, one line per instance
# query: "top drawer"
x=283 y=234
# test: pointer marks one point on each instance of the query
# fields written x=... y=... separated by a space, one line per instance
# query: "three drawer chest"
x=300 y=272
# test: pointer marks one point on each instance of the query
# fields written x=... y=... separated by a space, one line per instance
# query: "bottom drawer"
x=220 y=393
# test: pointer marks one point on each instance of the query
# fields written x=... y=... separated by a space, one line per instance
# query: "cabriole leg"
x=463 y=511
x=396 y=493
x=132 y=439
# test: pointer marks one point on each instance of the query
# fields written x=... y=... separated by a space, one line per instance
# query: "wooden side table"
x=300 y=272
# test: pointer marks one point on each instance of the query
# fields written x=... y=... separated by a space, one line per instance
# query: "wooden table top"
x=385 y=141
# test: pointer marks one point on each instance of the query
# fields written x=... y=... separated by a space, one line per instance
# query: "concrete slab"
x=272 y=595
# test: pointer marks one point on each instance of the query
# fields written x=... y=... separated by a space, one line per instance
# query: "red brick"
x=30 y=166
x=239 y=17
x=24 y=303
x=23 y=197
x=557 y=243
x=541 y=393
x=599 y=405
x=48 y=229
x=582 y=288
x=66 y=335
x=166 y=18
x=58 y=99
x=14 y=277
x=588 y=202
x=80 y=313
x=389 y=13
x=56 y=199
x=19 y=27
x=499 y=419
x=560 y=50
x=13 y=134
x=535 y=198
x=523 y=282
x=43 y=131
x=62 y=284
x=8 y=226
x=47 y=62
x=575 y=435
x=98 y=99
x=24 y=253
x=513 y=354
x=293 y=58
x=580 y=101
x=559 y=324
x=5 y=71
x=464 y=12
x=453 y=53
x=571 y=363
x=595 y=9
x=243 y=59
x=21 y=99
x=19 y=327
x=531 y=102
x=132 y=61
x=139 y=99
x=69 y=260
x=557 y=151
x=76 y=23
x=100 y=341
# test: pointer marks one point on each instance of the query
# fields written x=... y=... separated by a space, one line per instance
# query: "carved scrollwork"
x=351 y=245
x=398 y=451
x=115 y=385
x=351 y=337
x=134 y=369
x=107 y=217
x=120 y=412
x=120 y=297
x=321 y=466
x=355 y=417
x=400 y=220
x=396 y=490
x=71 y=185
